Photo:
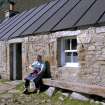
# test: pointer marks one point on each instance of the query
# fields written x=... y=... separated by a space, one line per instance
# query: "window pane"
x=73 y=44
x=67 y=44
x=68 y=57
x=75 y=57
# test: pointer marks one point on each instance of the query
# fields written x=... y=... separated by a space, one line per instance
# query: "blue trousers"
x=36 y=79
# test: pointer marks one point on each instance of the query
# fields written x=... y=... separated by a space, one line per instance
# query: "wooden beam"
x=77 y=87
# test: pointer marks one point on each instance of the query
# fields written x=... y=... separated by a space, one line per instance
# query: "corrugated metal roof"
x=54 y=16
x=102 y=19
x=93 y=14
x=71 y=18
x=54 y=20
x=35 y=19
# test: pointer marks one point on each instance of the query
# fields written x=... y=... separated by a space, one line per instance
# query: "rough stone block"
x=50 y=91
x=61 y=98
x=100 y=30
x=102 y=103
x=66 y=94
x=79 y=96
x=91 y=48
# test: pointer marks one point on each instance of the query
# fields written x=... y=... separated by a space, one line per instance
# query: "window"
x=69 y=56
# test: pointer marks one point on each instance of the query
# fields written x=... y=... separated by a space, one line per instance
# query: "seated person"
x=38 y=68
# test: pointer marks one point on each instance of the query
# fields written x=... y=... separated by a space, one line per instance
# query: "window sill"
x=74 y=65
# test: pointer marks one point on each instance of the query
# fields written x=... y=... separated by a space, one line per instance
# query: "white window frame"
x=63 y=51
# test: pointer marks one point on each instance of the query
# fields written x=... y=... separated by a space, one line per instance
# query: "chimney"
x=11 y=12
x=11 y=6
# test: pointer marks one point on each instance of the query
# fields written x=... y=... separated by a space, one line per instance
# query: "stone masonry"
x=91 y=51
x=91 y=55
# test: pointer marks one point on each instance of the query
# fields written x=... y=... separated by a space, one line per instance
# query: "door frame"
x=14 y=71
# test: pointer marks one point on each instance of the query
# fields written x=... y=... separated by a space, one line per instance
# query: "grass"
x=3 y=81
x=68 y=101
x=42 y=98
x=20 y=87
x=77 y=102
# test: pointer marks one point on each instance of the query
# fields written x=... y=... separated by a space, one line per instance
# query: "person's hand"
x=30 y=67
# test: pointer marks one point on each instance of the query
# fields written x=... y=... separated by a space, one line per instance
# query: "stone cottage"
x=70 y=36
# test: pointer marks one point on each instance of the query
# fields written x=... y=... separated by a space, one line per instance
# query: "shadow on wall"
x=47 y=73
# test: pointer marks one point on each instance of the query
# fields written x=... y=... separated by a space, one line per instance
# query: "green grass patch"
x=67 y=101
x=43 y=99
x=20 y=87
x=77 y=102
x=3 y=81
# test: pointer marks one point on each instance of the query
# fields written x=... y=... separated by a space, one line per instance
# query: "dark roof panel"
x=74 y=15
x=10 y=21
x=36 y=16
x=53 y=16
x=94 y=13
x=45 y=16
x=49 y=24
x=16 y=30
x=102 y=19
x=6 y=21
x=14 y=25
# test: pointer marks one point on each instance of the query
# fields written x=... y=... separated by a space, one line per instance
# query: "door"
x=15 y=61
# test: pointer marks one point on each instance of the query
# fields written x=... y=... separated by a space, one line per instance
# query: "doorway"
x=15 y=61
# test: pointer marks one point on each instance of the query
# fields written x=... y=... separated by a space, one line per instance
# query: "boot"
x=25 y=91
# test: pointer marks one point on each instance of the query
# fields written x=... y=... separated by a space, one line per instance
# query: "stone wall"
x=38 y=45
x=91 y=55
x=46 y=45
x=91 y=50
x=4 y=60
